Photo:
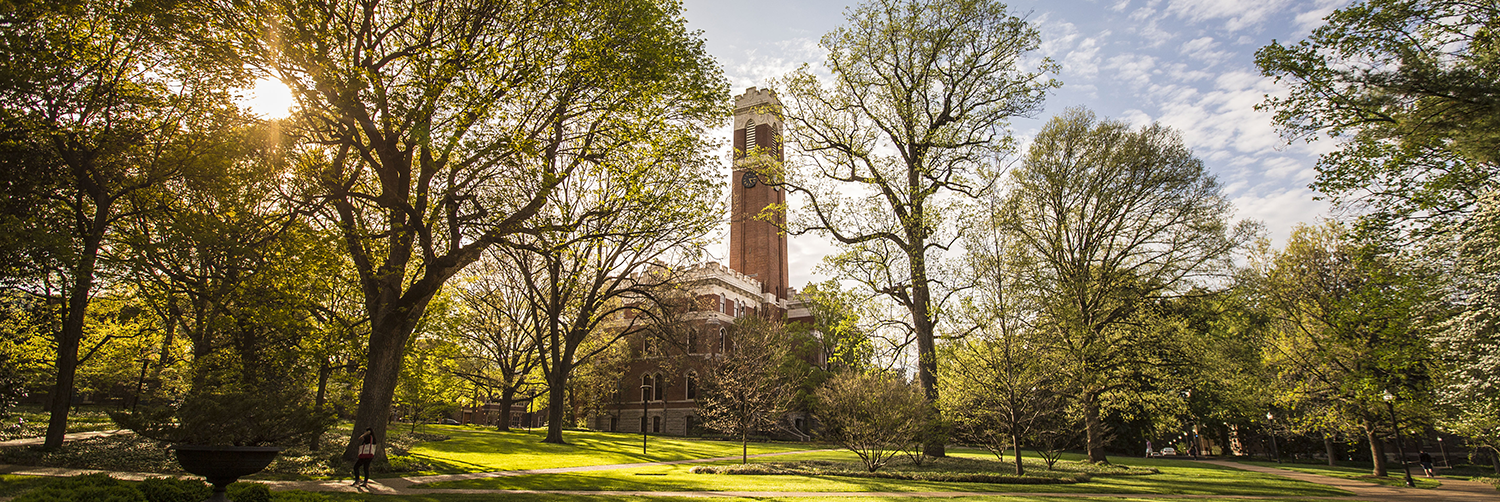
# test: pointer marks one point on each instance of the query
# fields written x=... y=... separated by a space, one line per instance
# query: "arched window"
x=692 y=341
x=750 y=143
x=656 y=424
x=723 y=341
x=661 y=391
x=692 y=385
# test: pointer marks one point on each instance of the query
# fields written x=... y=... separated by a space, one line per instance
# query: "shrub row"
x=102 y=488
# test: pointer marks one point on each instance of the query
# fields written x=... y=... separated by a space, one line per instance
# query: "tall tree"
x=102 y=100
x=642 y=211
x=917 y=107
x=1346 y=330
x=1410 y=90
x=444 y=126
x=1469 y=341
x=495 y=326
x=1108 y=219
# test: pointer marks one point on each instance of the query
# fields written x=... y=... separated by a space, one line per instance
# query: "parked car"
x=1168 y=451
x=449 y=421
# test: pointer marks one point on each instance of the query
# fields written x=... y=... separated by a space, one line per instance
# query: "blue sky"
x=1189 y=64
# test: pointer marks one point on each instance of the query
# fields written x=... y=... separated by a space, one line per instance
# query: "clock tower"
x=757 y=246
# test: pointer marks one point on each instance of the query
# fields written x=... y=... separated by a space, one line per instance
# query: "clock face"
x=749 y=180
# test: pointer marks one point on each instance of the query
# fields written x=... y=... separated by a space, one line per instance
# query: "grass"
x=476 y=449
x=1393 y=477
x=80 y=419
x=1177 y=477
x=535 y=497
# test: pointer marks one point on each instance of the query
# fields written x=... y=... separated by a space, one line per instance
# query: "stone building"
x=755 y=282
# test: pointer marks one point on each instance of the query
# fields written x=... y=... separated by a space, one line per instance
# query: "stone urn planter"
x=223 y=465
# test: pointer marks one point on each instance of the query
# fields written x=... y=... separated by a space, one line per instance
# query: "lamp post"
x=1274 y=452
x=645 y=389
x=1390 y=403
x=1445 y=453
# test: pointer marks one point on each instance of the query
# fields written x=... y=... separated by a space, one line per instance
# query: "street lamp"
x=1445 y=453
x=645 y=389
x=1390 y=403
x=1272 y=433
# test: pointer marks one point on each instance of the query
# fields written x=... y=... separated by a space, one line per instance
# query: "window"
x=722 y=301
x=646 y=387
x=643 y=423
x=656 y=424
x=723 y=341
x=692 y=341
x=614 y=424
x=661 y=391
x=692 y=385
x=750 y=136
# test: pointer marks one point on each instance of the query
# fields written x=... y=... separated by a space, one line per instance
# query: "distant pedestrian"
x=367 y=444
x=1426 y=460
x=1148 y=448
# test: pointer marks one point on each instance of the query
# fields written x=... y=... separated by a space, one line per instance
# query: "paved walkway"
x=1451 y=489
x=37 y=441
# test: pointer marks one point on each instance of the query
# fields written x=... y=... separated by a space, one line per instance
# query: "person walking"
x=1426 y=459
x=367 y=444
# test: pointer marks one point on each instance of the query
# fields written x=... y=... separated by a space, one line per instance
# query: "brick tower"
x=757 y=248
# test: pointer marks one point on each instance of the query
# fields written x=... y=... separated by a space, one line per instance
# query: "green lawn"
x=1177 y=477
x=476 y=449
x=1394 y=476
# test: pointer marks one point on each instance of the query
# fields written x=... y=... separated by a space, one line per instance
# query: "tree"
x=102 y=100
x=1468 y=342
x=1107 y=219
x=495 y=328
x=436 y=137
x=917 y=107
x=1409 y=89
x=1345 y=332
x=874 y=415
x=743 y=390
x=638 y=213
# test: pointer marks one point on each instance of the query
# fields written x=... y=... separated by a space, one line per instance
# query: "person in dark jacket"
x=367 y=444
x=1426 y=460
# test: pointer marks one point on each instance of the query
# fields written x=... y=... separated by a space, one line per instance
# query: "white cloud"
x=1238 y=14
x=1135 y=69
x=1203 y=49
x=1281 y=210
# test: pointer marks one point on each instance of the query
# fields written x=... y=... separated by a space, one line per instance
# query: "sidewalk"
x=1451 y=489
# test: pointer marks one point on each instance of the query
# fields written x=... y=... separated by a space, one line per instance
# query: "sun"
x=270 y=99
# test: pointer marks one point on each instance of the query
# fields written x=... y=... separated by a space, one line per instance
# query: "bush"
x=174 y=490
x=86 y=488
x=249 y=492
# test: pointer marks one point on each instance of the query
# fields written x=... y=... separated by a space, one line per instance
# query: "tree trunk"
x=507 y=398
x=1015 y=440
x=324 y=371
x=72 y=335
x=1094 y=429
x=935 y=444
x=387 y=348
x=1495 y=461
x=744 y=446
x=556 y=393
x=1328 y=447
x=1377 y=452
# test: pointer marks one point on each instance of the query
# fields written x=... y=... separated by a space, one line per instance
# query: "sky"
x=1188 y=64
